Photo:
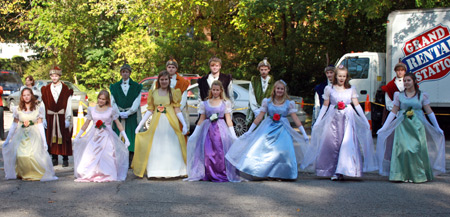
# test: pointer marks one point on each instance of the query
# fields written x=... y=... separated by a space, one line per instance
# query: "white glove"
x=44 y=122
x=42 y=132
x=12 y=129
x=322 y=112
x=123 y=115
x=144 y=119
x=67 y=124
x=433 y=120
x=361 y=113
x=185 y=128
x=124 y=135
x=77 y=138
x=232 y=132
x=305 y=136
x=388 y=121
x=250 y=130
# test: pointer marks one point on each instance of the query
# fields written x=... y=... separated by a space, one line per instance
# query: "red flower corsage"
x=99 y=124
x=276 y=117
x=341 y=105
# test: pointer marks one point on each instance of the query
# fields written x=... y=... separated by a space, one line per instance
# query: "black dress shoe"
x=65 y=163
x=55 y=162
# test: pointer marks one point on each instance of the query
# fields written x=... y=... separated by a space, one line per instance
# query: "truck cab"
x=367 y=73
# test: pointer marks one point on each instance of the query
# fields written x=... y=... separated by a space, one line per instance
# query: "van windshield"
x=9 y=77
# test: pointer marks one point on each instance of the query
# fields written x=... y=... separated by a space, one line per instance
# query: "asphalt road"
x=309 y=195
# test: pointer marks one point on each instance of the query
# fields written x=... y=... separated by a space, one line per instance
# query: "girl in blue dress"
x=268 y=151
x=418 y=150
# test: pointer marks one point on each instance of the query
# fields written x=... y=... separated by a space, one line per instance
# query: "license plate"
x=76 y=98
x=7 y=92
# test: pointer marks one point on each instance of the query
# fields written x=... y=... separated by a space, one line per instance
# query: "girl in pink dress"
x=100 y=155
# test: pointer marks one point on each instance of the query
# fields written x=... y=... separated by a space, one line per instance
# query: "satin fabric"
x=25 y=156
x=145 y=140
x=100 y=155
x=418 y=150
x=273 y=149
x=341 y=143
x=206 y=152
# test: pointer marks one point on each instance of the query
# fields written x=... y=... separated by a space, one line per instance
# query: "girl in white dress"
x=100 y=155
x=25 y=149
x=341 y=139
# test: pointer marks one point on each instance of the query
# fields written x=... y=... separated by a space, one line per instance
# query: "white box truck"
x=421 y=40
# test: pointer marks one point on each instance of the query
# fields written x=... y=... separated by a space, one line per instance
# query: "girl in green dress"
x=418 y=150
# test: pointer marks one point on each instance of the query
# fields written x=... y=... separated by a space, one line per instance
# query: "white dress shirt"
x=390 y=103
x=136 y=103
x=56 y=91
x=252 y=98
x=316 y=109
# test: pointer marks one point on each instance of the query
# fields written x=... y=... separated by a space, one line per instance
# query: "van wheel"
x=12 y=103
x=239 y=124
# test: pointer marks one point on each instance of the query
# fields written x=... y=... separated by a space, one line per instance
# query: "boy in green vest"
x=126 y=98
x=260 y=88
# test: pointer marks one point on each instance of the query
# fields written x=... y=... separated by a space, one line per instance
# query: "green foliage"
x=91 y=39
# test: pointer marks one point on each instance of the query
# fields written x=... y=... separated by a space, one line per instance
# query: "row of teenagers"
x=409 y=148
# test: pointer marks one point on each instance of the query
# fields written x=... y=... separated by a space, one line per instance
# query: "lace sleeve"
x=228 y=107
x=89 y=113
x=15 y=112
x=201 y=107
x=292 y=107
x=326 y=93
x=425 y=100
x=115 y=114
x=263 y=107
x=354 y=93
x=396 y=99
x=41 y=112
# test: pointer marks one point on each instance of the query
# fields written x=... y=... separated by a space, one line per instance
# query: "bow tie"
x=124 y=83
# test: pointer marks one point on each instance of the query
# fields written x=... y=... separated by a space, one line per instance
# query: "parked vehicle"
x=13 y=99
x=418 y=38
x=11 y=83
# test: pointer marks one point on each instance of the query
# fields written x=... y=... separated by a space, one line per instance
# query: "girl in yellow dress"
x=25 y=149
x=161 y=150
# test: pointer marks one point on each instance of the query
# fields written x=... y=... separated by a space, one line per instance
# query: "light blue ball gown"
x=269 y=150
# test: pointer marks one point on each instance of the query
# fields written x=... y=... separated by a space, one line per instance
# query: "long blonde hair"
x=222 y=93
x=285 y=95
